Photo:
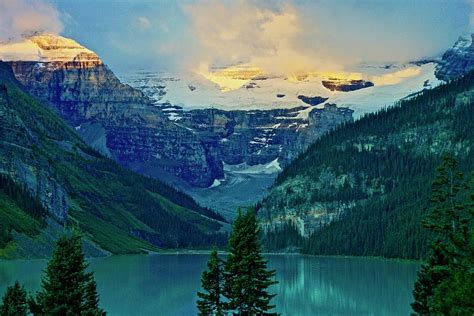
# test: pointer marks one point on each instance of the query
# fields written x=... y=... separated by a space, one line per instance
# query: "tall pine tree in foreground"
x=67 y=288
x=210 y=301
x=91 y=297
x=14 y=301
x=445 y=284
x=247 y=279
x=243 y=287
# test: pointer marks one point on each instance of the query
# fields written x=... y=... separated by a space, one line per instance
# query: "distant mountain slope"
x=118 y=210
x=457 y=60
x=165 y=142
x=363 y=88
x=114 y=118
x=363 y=188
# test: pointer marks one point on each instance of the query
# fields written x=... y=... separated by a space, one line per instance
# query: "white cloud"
x=278 y=36
x=245 y=32
x=288 y=37
x=19 y=17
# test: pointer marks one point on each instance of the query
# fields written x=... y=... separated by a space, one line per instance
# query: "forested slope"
x=364 y=188
x=118 y=210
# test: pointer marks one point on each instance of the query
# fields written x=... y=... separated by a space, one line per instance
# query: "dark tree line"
x=286 y=237
x=149 y=184
x=239 y=285
x=15 y=301
x=145 y=198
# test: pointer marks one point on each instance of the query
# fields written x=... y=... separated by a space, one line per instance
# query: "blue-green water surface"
x=166 y=284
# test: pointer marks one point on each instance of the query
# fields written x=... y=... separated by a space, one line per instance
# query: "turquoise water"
x=167 y=284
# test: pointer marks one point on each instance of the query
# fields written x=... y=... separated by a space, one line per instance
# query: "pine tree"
x=210 y=302
x=444 y=216
x=14 y=301
x=455 y=295
x=430 y=276
x=246 y=276
x=445 y=284
x=91 y=304
x=67 y=288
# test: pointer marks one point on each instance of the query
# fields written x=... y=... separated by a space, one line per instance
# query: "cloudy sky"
x=278 y=36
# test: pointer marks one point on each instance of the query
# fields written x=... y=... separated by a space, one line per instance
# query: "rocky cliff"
x=457 y=60
x=346 y=85
x=122 y=122
x=17 y=148
x=115 y=118
x=117 y=210
x=260 y=136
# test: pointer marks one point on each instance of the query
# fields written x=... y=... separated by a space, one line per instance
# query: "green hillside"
x=19 y=212
x=118 y=210
x=374 y=177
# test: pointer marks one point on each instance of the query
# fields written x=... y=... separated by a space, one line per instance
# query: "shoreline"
x=207 y=252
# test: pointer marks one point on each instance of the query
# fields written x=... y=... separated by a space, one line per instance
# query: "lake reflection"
x=343 y=286
x=167 y=284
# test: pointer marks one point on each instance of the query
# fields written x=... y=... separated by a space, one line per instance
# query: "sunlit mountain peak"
x=231 y=77
x=48 y=47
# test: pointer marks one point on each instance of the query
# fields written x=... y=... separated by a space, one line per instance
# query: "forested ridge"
x=377 y=173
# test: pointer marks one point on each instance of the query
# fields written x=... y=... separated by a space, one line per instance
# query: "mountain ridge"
x=118 y=211
x=457 y=60
x=190 y=147
x=124 y=124
x=362 y=189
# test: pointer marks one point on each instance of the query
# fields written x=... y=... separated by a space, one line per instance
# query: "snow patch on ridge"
x=216 y=183
x=47 y=47
x=243 y=168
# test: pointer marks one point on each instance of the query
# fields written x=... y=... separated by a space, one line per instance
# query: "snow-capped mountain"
x=114 y=118
x=367 y=89
x=48 y=48
x=228 y=129
x=265 y=121
x=186 y=147
x=457 y=60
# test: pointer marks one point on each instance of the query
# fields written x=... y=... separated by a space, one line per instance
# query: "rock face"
x=80 y=91
x=36 y=176
x=124 y=124
x=346 y=85
x=118 y=210
x=133 y=131
x=457 y=60
x=115 y=118
x=312 y=100
x=258 y=137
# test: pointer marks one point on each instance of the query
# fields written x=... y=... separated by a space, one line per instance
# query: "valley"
x=223 y=137
x=284 y=115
